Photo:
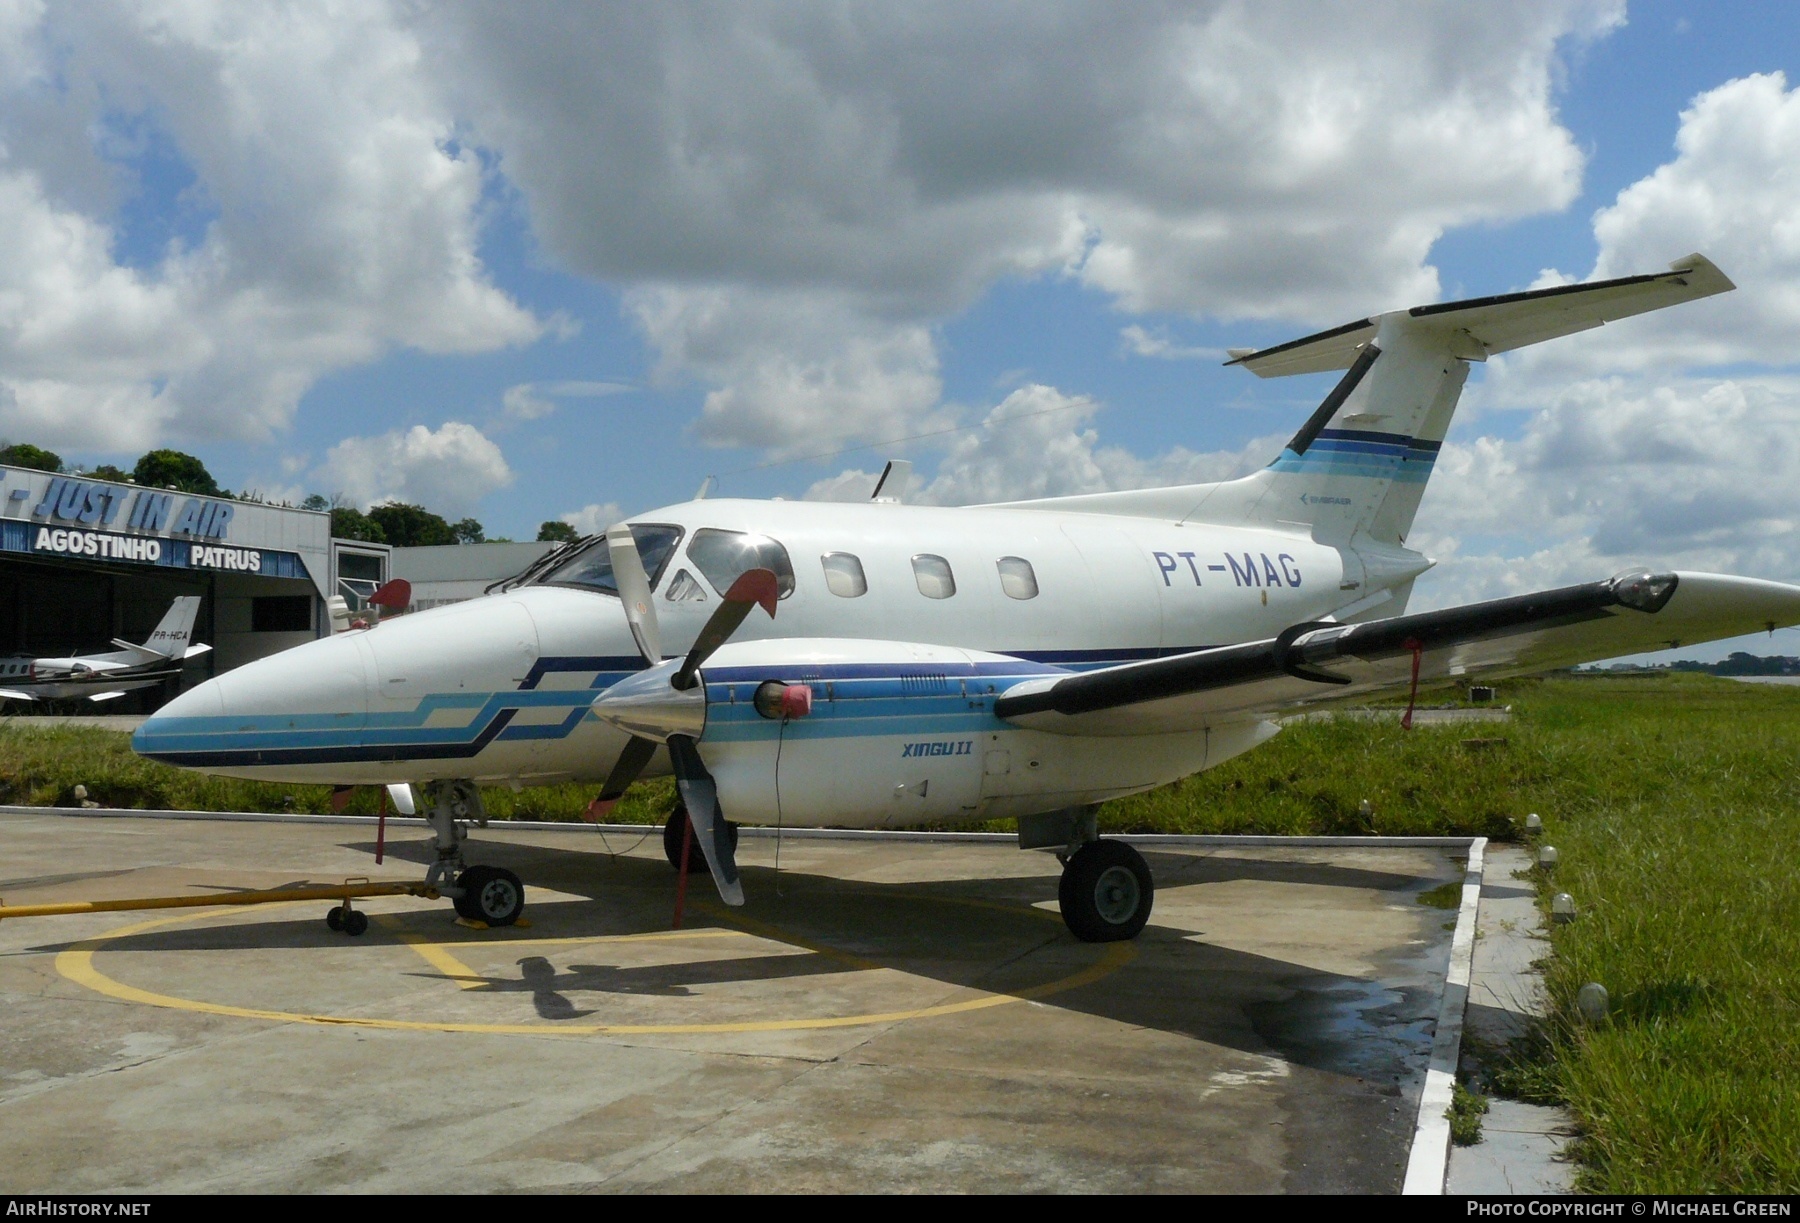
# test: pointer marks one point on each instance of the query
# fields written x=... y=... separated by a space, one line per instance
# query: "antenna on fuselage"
x=892 y=485
x=705 y=488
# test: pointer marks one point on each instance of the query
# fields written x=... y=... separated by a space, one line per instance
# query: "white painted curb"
x=1429 y=1162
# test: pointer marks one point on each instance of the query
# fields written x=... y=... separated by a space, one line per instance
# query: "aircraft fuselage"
x=497 y=689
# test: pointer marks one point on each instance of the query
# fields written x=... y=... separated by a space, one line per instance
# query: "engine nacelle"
x=812 y=732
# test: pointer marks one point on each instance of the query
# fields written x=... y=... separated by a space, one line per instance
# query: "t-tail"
x=1354 y=474
x=172 y=637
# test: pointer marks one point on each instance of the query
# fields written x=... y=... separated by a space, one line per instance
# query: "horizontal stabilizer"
x=1480 y=327
x=140 y=653
x=195 y=650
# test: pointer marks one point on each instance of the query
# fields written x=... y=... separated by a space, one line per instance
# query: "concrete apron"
x=885 y=1014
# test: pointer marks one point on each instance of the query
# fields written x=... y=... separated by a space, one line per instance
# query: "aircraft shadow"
x=987 y=934
x=983 y=934
x=549 y=987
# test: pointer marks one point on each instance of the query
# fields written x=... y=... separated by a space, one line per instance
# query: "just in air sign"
x=91 y=503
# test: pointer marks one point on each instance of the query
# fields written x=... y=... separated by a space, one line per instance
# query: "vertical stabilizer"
x=1354 y=474
x=171 y=637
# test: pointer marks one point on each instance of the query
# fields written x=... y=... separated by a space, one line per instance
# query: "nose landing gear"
x=489 y=894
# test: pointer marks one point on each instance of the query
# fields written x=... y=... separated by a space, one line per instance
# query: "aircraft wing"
x=1310 y=663
x=10 y=694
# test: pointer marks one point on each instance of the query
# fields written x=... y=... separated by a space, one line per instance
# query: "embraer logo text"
x=943 y=747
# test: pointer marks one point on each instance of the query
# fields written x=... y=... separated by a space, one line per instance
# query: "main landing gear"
x=489 y=894
x=673 y=829
x=1106 y=890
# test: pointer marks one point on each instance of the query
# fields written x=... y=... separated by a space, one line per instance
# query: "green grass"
x=1466 y=1110
x=1675 y=803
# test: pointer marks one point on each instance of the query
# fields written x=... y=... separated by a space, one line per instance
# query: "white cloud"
x=1145 y=343
x=340 y=218
x=447 y=471
x=800 y=192
x=795 y=372
x=1617 y=472
x=1631 y=453
x=1036 y=443
x=593 y=519
x=536 y=400
x=1731 y=192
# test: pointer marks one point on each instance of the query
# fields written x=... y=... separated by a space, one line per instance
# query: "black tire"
x=1106 y=892
x=465 y=904
x=672 y=842
x=491 y=894
x=334 y=919
x=356 y=923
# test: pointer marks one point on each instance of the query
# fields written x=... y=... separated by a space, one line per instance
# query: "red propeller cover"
x=755 y=586
x=394 y=595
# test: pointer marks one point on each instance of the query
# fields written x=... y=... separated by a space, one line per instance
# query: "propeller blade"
x=632 y=759
x=392 y=596
x=753 y=586
x=634 y=591
x=701 y=797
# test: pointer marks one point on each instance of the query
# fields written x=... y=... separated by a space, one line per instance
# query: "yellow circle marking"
x=77 y=964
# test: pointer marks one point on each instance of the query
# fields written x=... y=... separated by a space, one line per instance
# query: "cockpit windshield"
x=592 y=566
x=723 y=555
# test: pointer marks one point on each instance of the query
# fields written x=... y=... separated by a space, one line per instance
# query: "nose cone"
x=303 y=698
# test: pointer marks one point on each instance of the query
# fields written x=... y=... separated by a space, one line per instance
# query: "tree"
x=557 y=533
x=106 y=471
x=173 y=469
x=348 y=522
x=317 y=503
x=24 y=454
x=411 y=526
x=468 y=531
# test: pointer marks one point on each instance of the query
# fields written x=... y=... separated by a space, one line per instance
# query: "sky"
x=541 y=262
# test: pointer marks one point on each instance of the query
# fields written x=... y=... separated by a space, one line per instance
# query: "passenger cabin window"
x=1017 y=579
x=721 y=556
x=591 y=567
x=844 y=575
x=933 y=575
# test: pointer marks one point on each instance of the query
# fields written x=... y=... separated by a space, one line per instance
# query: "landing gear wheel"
x=1106 y=892
x=491 y=894
x=672 y=842
x=334 y=919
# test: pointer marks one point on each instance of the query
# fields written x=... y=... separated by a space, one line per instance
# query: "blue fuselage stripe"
x=850 y=699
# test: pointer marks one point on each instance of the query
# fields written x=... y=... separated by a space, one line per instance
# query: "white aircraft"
x=1025 y=661
x=101 y=677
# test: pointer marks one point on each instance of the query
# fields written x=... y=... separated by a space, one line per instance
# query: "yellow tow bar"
x=344 y=917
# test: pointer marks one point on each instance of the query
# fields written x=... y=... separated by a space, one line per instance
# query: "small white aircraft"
x=101 y=677
x=1024 y=661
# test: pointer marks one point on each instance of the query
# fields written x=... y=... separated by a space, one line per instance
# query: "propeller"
x=666 y=704
x=634 y=591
